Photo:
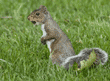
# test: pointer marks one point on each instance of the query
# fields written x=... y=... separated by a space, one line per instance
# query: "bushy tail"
x=100 y=54
x=84 y=55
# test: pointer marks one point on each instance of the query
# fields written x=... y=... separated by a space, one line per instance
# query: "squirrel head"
x=38 y=16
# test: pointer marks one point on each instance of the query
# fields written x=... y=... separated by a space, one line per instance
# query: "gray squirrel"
x=60 y=47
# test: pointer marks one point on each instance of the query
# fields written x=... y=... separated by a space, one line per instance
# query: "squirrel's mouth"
x=33 y=22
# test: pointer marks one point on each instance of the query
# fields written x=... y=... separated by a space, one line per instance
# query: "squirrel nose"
x=28 y=18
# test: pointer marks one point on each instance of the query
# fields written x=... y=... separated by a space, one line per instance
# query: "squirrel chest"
x=44 y=34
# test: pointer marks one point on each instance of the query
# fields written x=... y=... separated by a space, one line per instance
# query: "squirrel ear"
x=43 y=9
x=41 y=6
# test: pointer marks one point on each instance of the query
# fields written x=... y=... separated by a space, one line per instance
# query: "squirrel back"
x=60 y=47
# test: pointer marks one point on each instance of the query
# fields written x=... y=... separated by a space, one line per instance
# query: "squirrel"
x=60 y=47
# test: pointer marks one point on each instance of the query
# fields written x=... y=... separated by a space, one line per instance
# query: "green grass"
x=24 y=58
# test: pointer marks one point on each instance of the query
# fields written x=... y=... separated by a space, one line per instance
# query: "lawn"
x=24 y=58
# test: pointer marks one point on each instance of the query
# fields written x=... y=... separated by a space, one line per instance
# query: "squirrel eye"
x=37 y=14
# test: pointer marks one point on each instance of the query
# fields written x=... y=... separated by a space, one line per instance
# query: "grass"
x=24 y=58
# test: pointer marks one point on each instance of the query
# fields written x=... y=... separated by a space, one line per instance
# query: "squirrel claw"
x=43 y=42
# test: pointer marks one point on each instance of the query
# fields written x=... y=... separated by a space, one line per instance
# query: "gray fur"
x=61 y=48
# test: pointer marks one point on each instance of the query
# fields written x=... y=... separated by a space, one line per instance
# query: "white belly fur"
x=44 y=34
x=43 y=30
x=49 y=44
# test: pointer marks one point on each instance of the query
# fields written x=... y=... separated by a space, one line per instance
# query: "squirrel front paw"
x=43 y=41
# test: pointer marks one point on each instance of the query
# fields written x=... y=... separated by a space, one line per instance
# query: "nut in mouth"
x=33 y=22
